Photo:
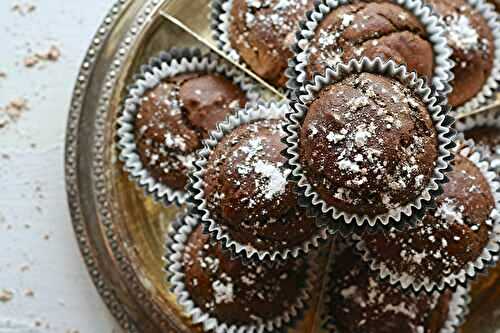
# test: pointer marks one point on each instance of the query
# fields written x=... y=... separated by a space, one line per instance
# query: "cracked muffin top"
x=175 y=117
x=368 y=145
x=371 y=29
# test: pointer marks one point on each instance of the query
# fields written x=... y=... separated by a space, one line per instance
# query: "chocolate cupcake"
x=451 y=241
x=229 y=295
x=471 y=38
x=359 y=302
x=175 y=116
x=368 y=144
x=365 y=144
x=260 y=33
x=371 y=29
x=405 y=31
x=170 y=110
x=241 y=190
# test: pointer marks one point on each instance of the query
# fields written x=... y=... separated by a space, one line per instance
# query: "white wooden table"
x=39 y=260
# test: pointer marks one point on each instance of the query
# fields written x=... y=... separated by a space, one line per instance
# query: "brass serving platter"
x=121 y=232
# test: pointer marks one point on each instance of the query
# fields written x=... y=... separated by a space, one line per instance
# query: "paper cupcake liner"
x=221 y=16
x=334 y=217
x=485 y=260
x=167 y=64
x=487 y=94
x=483 y=119
x=259 y=111
x=211 y=323
x=297 y=69
x=172 y=230
x=458 y=309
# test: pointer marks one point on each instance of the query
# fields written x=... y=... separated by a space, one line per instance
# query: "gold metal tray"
x=120 y=232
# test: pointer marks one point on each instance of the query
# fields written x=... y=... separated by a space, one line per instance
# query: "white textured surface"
x=32 y=195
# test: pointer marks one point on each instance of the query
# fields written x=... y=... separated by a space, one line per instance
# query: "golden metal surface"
x=120 y=231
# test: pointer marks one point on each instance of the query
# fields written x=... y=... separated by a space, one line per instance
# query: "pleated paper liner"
x=167 y=64
x=488 y=119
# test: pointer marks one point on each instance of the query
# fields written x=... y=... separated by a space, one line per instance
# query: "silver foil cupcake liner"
x=411 y=212
x=177 y=245
x=489 y=118
x=258 y=111
x=167 y=64
x=487 y=94
x=458 y=308
x=424 y=13
x=221 y=17
x=486 y=259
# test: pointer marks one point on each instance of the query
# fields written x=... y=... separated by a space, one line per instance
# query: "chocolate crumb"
x=12 y=112
x=6 y=296
x=52 y=55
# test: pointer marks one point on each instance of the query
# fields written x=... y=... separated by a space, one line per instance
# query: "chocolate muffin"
x=247 y=191
x=362 y=304
x=472 y=42
x=175 y=117
x=262 y=31
x=372 y=29
x=487 y=140
x=238 y=293
x=367 y=145
x=448 y=237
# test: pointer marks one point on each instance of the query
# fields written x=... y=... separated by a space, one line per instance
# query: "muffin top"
x=247 y=191
x=362 y=303
x=238 y=293
x=367 y=145
x=448 y=237
x=487 y=140
x=175 y=116
x=471 y=39
x=262 y=31
x=372 y=29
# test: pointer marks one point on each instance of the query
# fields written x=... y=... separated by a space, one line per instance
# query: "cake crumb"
x=52 y=55
x=29 y=293
x=23 y=8
x=6 y=296
x=12 y=112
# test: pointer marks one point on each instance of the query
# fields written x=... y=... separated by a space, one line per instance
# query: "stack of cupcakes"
x=363 y=153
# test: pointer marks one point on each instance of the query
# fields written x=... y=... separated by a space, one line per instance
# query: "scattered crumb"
x=3 y=75
x=23 y=8
x=6 y=296
x=29 y=293
x=46 y=236
x=30 y=61
x=12 y=112
x=24 y=268
x=52 y=54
